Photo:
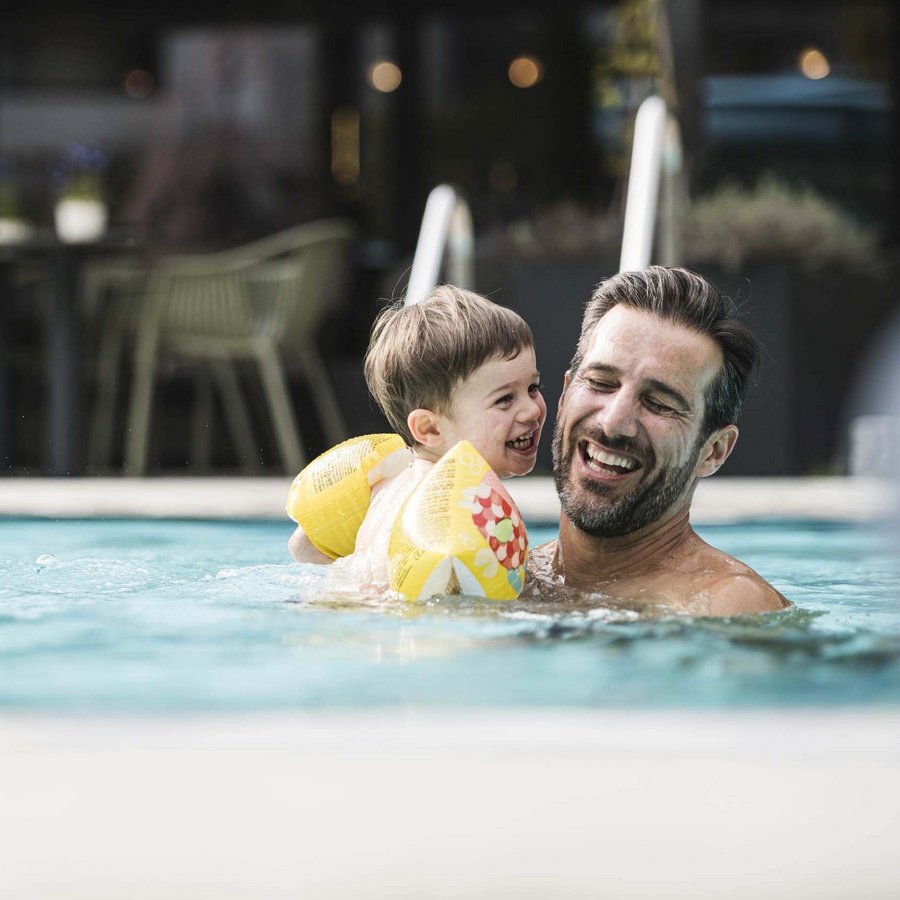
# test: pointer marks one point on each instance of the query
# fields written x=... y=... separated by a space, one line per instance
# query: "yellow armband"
x=459 y=531
x=330 y=497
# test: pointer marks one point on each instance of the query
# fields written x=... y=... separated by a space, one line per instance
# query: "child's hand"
x=302 y=549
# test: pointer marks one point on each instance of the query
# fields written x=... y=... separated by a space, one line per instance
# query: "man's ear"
x=425 y=427
x=716 y=449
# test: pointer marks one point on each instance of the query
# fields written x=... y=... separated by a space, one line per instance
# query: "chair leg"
x=236 y=413
x=292 y=456
x=323 y=395
x=201 y=420
x=139 y=410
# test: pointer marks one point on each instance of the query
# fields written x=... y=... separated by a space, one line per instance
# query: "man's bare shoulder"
x=700 y=579
x=732 y=588
x=741 y=594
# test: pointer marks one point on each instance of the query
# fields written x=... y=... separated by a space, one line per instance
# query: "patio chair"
x=248 y=303
x=111 y=294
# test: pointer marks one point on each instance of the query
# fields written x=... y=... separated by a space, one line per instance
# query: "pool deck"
x=717 y=500
x=491 y=804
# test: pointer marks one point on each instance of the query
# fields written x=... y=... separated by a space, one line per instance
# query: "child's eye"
x=534 y=388
x=505 y=400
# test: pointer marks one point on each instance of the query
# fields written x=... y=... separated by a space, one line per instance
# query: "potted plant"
x=80 y=213
x=774 y=220
x=814 y=288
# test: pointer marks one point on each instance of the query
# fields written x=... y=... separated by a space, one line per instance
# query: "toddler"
x=453 y=367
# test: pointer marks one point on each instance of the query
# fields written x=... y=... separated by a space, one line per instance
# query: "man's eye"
x=656 y=407
x=599 y=385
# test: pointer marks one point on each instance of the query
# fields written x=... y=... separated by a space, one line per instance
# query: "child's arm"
x=302 y=549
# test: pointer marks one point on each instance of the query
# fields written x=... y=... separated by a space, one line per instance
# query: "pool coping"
x=717 y=500
x=490 y=804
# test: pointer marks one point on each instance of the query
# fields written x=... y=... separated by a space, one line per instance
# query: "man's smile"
x=600 y=461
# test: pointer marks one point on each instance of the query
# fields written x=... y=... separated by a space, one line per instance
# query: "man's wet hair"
x=688 y=299
x=419 y=354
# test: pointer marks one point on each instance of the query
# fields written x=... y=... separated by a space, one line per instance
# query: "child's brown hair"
x=419 y=354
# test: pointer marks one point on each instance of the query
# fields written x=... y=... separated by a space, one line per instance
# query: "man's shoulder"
x=732 y=588
x=736 y=595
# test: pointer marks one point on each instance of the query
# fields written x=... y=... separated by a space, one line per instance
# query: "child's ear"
x=425 y=427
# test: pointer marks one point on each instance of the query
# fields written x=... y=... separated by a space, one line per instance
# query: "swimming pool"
x=152 y=616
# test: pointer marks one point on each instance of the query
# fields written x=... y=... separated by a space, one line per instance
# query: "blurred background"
x=202 y=206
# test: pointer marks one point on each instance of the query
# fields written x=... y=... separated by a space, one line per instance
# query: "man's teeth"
x=609 y=459
x=523 y=442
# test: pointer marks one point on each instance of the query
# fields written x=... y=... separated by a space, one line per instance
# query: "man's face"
x=628 y=433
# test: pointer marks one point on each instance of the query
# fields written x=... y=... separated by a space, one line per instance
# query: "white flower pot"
x=80 y=221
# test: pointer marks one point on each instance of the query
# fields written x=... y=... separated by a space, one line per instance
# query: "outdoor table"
x=63 y=447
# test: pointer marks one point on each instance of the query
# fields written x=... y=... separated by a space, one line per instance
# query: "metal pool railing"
x=656 y=151
x=446 y=226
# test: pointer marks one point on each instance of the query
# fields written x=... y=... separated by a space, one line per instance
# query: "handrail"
x=657 y=148
x=446 y=225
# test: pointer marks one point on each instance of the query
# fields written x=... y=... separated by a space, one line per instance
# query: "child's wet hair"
x=419 y=354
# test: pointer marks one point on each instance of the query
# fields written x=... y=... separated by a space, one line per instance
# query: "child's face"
x=500 y=411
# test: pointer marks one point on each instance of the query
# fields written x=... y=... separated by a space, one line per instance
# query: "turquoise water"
x=167 y=616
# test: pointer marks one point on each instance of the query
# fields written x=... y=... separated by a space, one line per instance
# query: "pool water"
x=168 y=616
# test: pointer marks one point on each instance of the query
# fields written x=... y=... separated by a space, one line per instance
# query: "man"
x=649 y=408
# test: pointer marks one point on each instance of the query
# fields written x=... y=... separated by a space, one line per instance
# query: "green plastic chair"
x=252 y=302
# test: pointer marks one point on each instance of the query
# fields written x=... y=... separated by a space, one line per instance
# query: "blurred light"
x=813 y=63
x=385 y=76
x=139 y=84
x=345 y=146
x=503 y=177
x=525 y=71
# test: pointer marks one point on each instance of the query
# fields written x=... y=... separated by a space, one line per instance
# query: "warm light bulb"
x=525 y=71
x=385 y=76
x=814 y=64
x=139 y=84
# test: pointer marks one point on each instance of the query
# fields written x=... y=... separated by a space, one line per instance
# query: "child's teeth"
x=523 y=441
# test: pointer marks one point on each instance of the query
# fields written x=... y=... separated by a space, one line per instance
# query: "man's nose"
x=619 y=414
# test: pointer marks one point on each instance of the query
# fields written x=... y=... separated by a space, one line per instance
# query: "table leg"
x=63 y=450
x=5 y=370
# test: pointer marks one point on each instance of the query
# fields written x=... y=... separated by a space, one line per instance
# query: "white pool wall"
x=716 y=500
x=495 y=804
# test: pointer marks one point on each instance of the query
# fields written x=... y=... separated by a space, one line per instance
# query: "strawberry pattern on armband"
x=496 y=517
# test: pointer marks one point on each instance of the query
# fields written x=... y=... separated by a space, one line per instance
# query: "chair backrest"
x=306 y=270
x=274 y=288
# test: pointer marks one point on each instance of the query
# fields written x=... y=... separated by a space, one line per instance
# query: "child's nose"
x=533 y=409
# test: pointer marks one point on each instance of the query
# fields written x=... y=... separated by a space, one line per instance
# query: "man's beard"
x=592 y=511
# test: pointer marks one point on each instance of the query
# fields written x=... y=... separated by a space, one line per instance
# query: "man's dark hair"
x=688 y=299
